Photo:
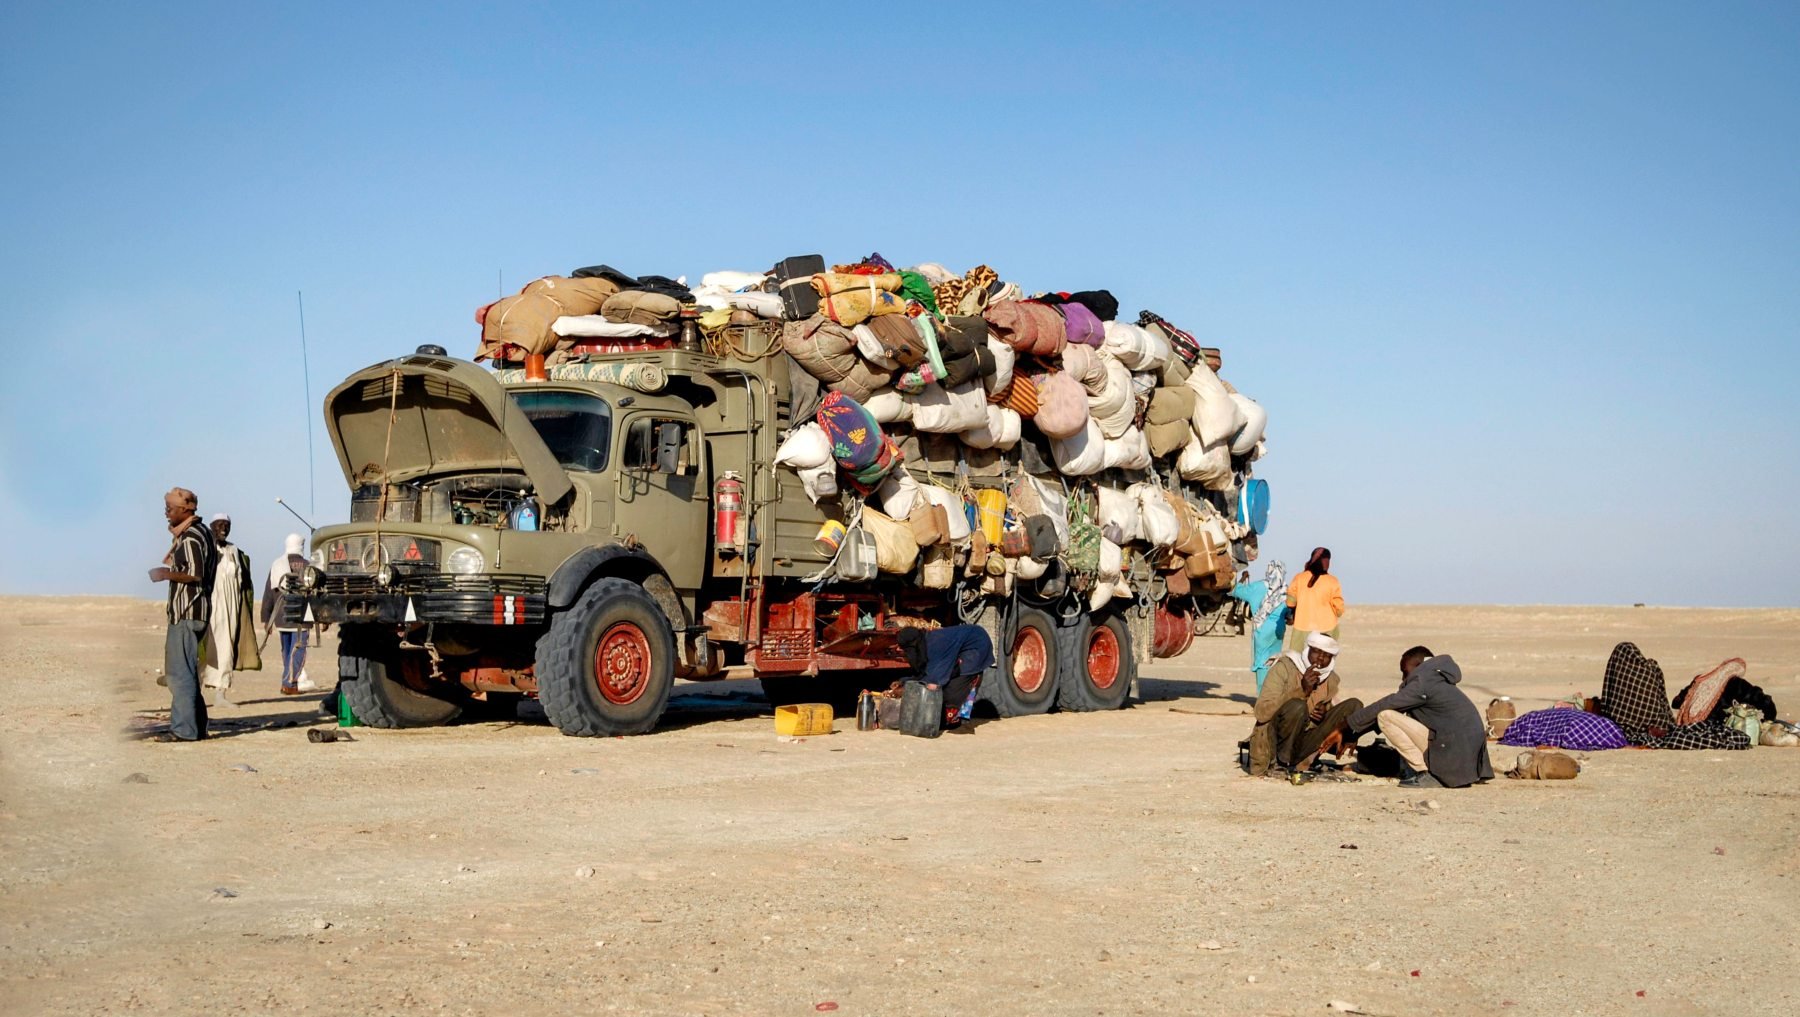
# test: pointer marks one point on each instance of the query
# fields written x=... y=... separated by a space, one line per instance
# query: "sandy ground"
x=1068 y=864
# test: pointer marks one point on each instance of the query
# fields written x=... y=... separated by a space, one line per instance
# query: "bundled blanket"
x=1027 y=327
x=524 y=321
x=1564 y=728
x=853 y=299
x=828 y=352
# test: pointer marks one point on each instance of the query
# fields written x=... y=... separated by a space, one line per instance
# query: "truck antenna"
x=312 y=494
x=309 y=527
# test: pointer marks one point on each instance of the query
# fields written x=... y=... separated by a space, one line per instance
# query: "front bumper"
x=356 y=598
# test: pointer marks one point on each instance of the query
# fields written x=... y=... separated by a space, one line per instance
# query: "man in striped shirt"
x=188 y=569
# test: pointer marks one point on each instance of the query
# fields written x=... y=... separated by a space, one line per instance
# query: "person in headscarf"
x=1267 y=599
x=293 y=639
x=1438 y=732
x=1317 y=600
x=952 y=658
x=1296 y=711
x=231 y=634
x=1633 y=696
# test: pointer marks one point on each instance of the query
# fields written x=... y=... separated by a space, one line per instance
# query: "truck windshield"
x=576 y=427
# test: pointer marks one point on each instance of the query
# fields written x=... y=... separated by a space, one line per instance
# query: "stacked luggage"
x=1089 y=449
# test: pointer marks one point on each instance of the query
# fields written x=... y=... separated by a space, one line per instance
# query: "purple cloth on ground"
x=1564 y=728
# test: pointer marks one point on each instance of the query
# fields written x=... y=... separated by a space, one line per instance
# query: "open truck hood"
x=450 y=417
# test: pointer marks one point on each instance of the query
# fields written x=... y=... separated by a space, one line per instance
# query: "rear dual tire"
x=1101 y=667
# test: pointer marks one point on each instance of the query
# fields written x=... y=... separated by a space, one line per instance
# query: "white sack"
x=805 y=448
x=935 y=274
x=1111 y=403
x=1208 y=464
x=1055 y=504
x=1129 y=451
x=1162 y=527
x=597 y=327
x=887 y=406
x=819 y=481
x=1004 y=357
x=763 y=305
x=1083 y=364
x=940 y=411
x=953 y=507
x=1216 y=417
x=731 y=282
x=1082 y=453
x=1001 y=431
x=899 y=493
x=1119 y=507
x=1256 y=419
x=1136 y=347
x=1028 y=567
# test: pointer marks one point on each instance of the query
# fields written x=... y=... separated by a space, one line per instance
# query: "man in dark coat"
x=1436 y=729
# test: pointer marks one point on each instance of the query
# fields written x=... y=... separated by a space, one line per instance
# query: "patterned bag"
x=1084 y=534
x=1183 y=343
x=856 y=439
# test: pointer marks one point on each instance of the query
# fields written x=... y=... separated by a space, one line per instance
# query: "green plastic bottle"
x=346 y=716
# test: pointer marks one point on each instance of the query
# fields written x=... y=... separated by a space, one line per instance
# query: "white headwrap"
x=1317 y=641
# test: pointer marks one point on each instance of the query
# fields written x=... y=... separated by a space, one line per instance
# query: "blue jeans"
x=293 y=656
x=181 y=665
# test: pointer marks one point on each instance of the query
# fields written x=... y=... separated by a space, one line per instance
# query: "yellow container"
x=803 y=720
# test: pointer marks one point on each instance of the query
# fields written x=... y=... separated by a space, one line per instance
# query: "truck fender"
x=573 y=575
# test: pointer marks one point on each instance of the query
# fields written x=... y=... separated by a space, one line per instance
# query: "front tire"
x=1098 y=674
x=379 y=700
x=1027 y=684
x=607 y=664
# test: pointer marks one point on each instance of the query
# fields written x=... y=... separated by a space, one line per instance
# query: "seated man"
x=1294 y=712
x=1437 y=731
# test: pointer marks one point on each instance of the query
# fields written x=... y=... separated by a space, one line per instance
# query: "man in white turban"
x=1297 y=709
x=231 y=637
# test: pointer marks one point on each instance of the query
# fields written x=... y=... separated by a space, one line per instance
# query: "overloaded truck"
x=596 y=517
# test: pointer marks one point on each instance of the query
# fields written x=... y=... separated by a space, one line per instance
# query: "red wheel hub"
x=622 y=663
x=1030 y=661
x=1103 y=657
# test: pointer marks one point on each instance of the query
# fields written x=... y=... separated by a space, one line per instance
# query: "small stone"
x=1343 y=1007
x=464 y=868
x=1431 y=803
x=223 y=893
x=599 y=943
x=1105 y=955
x=1212 y=944
x=1372 y=966
x=1251 y=979
x=321 y=924
x=244 y=768
x=137 y=778
x=585 y=872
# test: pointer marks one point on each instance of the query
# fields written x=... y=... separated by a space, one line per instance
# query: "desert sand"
x=1068 y=864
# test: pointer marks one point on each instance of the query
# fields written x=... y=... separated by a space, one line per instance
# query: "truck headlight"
x=384 y=576
x=310 y=578
x=465 y=561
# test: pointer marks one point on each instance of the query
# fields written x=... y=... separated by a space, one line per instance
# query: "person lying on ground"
x=952 y=658
x=1296 y=712
x=1438 y=732
x=1633 y=696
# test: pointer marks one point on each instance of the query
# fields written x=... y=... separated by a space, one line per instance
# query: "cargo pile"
x=1105 y=445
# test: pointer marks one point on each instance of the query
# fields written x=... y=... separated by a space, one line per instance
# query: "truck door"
x=662 y=495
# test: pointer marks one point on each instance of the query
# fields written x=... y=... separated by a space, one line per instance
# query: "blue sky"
x=1519 y=284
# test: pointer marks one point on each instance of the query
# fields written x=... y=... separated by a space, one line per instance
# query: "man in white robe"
x=231 y=642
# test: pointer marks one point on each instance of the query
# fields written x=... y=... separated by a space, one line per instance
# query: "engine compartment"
x=500 y=501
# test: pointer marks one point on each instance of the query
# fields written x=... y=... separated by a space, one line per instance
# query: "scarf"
x=1703 y=694
x=1276 y=597
x=175 y=532
x=1632 y=694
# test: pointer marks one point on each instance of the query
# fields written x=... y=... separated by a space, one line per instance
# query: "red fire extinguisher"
x=728 y=512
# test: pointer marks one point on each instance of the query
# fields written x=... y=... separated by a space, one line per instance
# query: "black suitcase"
x=794 y=275
x=921 y=711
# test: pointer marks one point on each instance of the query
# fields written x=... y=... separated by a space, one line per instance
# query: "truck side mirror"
x=669 y=442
